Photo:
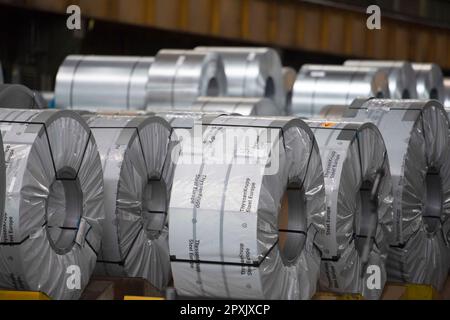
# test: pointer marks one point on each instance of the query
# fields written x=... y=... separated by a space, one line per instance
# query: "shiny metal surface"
x=430 y=81
x=321 y=85
x=236 y=105
x=447 y=93
x=252 y=72
x=402 y=78
x=178 y=77
x=102 y=82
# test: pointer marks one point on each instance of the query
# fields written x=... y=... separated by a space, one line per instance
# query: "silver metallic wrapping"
x=178 y=77
x=416 y=134
x=102 y=82
x=429 y=81
x=243 y=219
x=138 y=170
x=236 y=105
x=17 y=96
x=359 y=206
x=447 y=93
x=321 y=85
x=54 y=212
x=402 y=78
x=253 y=72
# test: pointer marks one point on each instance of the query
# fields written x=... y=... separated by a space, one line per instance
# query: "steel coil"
x=402 y=79
x=430 y=81
x=53 y=203
x=253 y=72
x=243 y=219
x=416 y=134
x=17 y=96
x=359 y=206
x=321 y=85
x=102 y=82
x=178 y=77
x=447 y=93
x=137 y=169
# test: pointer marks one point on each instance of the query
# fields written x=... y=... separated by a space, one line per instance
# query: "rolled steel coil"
x=321 y=85
x=102 y=82
x=54 y=212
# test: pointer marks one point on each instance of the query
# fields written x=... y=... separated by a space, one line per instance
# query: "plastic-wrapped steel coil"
x=54 y=212
x=416 y=134
x=138 y=170
x=359 y=206
x=244 y=219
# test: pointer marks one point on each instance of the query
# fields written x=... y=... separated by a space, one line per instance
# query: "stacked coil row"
x=185 y=167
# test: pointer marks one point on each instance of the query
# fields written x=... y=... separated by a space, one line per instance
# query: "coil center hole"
x=405 y=94
x=432 y=210
x=434 y=94
x=366 y=220
x=154 y=208
x=269 y=90
x=212 y=90
x=292 y=224
x=64 y=210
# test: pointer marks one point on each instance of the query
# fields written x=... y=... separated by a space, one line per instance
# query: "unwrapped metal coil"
x=17 y=96
x=416 y=134
x=447 y=94
x=137 y=169
x=359 y=206
x=430 y=81
x=236 y=105
x=102 y=82
x=253 y=72
x=178 y=77
x=243 y=219
x=289 y=76
x=402 y=79
x=321 y=85
x=53 y=203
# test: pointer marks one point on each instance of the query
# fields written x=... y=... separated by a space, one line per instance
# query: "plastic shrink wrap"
x=247 y=204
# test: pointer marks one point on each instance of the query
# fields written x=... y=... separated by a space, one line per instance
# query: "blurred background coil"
x=137 y=169
x=416 y=134
x=429 y=81
x=236 y=105
x=178 y=77
x=253 y=72
x=447 y=94
x=54 y=202
x=17 y=96
x=102 y=82
x=289 y=76
x=243 y=219
x=402 y=79
x=359 y=201
x=321 y=85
